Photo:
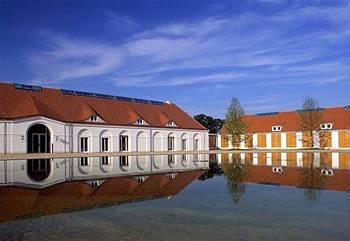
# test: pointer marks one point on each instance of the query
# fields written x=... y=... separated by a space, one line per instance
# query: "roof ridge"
x=260 y=114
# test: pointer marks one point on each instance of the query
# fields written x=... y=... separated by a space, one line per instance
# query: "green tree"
x=234 y=125
x=235 y=174
x=310 y=120
x=312 y=181
x=212 y=124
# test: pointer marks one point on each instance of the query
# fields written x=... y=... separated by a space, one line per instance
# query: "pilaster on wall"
x=335 y=139
x=284 y=159
x=219 y=141
x=316 y=139
x=299 y=159
x=317 y=159
x=230 y=146
x=283 y=140
x=335 y=160
x=219 y=158
x=269 y=159
x=299 y=139
x=255 y=158
x=255 y=140
x=268 y=140
x=242 y=144
x=242 y=158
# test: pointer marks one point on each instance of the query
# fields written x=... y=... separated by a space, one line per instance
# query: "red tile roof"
x=292 y=177
x=52 y=103
x=17 y=202
x=339 y=116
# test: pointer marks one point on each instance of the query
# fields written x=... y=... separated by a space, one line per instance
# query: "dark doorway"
x=38 y=141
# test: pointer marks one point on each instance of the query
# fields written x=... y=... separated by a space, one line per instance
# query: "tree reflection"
x=235 y=174
x=214 y=170
x=312 y=181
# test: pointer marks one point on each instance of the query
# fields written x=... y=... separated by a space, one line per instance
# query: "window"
x=276 y=128
x=326 y=126
x=123 y=146
x=195 y=147
x=141 y=179
x=277 y=169
x=123 y=143
x=93 y=118
x=171 y=159
x=171 y=143
x=171 y=147
x=84 y=148
x=104 y=148
x=123 y=161
x=184 y=148
x=184 y=144
x=327 y=172
x=140 y=122
x=196 y=144
x=170 y=123
x=172 y=175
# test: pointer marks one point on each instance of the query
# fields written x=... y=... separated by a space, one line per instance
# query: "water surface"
x=235 y=200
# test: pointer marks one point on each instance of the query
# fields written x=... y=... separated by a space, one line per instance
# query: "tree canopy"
x=234 y=124
x=310 y=120
x=212 y=124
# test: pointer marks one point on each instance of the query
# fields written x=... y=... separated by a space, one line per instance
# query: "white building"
x=44 y=120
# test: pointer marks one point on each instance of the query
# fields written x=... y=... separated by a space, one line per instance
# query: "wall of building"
x=285 y=140
x=65 y=138
x=333 y=160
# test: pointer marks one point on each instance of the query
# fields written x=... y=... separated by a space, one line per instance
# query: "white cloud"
x=252 y=48
x=121 y=22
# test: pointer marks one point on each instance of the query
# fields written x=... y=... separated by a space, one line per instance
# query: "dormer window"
x=276 y=128
x=94 y=118
x=326 y=126
x=140 y=122
x=171 y=123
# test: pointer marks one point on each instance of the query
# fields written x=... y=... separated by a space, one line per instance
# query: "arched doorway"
x=38 y=141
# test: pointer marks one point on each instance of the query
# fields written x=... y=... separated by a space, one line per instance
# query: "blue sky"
x=198 y=54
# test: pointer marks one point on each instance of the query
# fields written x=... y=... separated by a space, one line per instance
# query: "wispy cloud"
x=254 y=48
x=67 y=58
x=121 y=22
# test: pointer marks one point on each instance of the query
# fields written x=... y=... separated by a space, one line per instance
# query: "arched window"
x=171 y=147
x=124 y=147
x=184 y=145
x=195 y=146
x=105 y=146
x=84 y=146
x=38 y=141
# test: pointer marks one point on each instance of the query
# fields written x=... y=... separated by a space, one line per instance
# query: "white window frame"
x=105 y=148
x=94 y=118
x=171 y=123
x=124 y=160
x=84 y=148
x=171 y=147
x=184 y=148
x=276 y=128
x=140 y=122
x=326 y=126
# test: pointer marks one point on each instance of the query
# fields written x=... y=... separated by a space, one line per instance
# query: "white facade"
x=298 y=141
x=66 y=137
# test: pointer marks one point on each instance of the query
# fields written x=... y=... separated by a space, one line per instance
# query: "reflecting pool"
x=221 y=197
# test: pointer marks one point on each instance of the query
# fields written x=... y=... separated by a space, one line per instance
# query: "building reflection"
x=311 y=172
x=20 y=200
x=235 y=174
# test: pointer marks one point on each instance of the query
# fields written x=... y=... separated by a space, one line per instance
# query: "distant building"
x=77 y=195
x=44 y=120
x=280 y=130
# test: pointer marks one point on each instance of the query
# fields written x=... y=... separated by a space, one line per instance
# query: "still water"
x=228 y=197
